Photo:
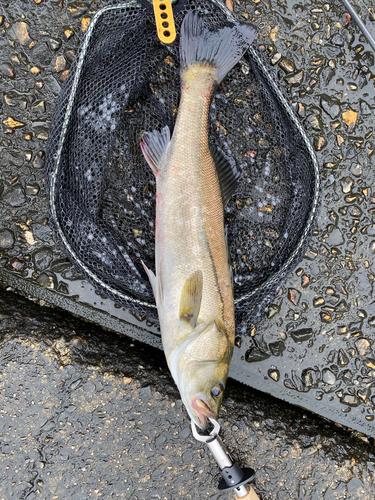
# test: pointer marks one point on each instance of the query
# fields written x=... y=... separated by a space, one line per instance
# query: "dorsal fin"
x=228 y=255
x=227 y=172
x=153 y=146
x=191 y=298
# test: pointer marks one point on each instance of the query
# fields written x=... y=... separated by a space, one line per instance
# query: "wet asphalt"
x=86 y=413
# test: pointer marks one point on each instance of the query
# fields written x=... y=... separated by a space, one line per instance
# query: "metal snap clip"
x=234 y=477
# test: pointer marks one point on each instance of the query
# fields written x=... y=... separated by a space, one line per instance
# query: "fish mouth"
x=203 y=411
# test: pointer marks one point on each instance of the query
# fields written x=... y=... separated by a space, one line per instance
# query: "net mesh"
x=101 y=192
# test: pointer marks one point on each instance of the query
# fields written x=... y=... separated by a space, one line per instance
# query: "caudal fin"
x=222 y=48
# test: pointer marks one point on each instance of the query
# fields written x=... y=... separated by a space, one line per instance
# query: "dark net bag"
x=101 y=192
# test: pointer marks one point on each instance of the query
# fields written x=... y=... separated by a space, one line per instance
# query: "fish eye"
x=217 y=390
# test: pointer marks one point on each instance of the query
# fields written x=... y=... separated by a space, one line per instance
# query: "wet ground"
x=87 y=414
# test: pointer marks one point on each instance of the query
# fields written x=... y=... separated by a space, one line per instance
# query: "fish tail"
x=221 y=49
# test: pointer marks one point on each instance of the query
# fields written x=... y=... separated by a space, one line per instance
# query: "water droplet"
x=294 y=296
x=328 y=377
x=302 y=335
x=255 y=354
x=277 y=348
x=274 y=374
x=350 y=400
x=362 y=346
x=6 y=239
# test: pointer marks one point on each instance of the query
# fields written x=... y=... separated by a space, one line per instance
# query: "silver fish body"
x=193 y=286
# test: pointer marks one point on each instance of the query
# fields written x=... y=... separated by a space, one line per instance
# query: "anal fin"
x=153 y=146
x=153 y=281
x=191 y=298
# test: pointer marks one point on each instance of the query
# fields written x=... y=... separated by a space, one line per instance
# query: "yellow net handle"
x=164 y=20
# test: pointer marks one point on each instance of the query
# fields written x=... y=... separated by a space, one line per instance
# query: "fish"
x=192 y=283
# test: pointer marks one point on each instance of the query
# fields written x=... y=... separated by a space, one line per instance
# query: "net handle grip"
x=164 y=20
x=250 y=495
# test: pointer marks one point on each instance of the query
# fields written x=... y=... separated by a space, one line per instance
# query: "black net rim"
x=253 y=56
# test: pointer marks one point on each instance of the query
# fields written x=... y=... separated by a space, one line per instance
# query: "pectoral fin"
x=191 y=298
x=153 y=146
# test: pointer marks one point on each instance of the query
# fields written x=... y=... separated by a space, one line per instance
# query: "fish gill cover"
x=101 y=193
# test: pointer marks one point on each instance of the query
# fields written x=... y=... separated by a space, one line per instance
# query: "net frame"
x=53 y=168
